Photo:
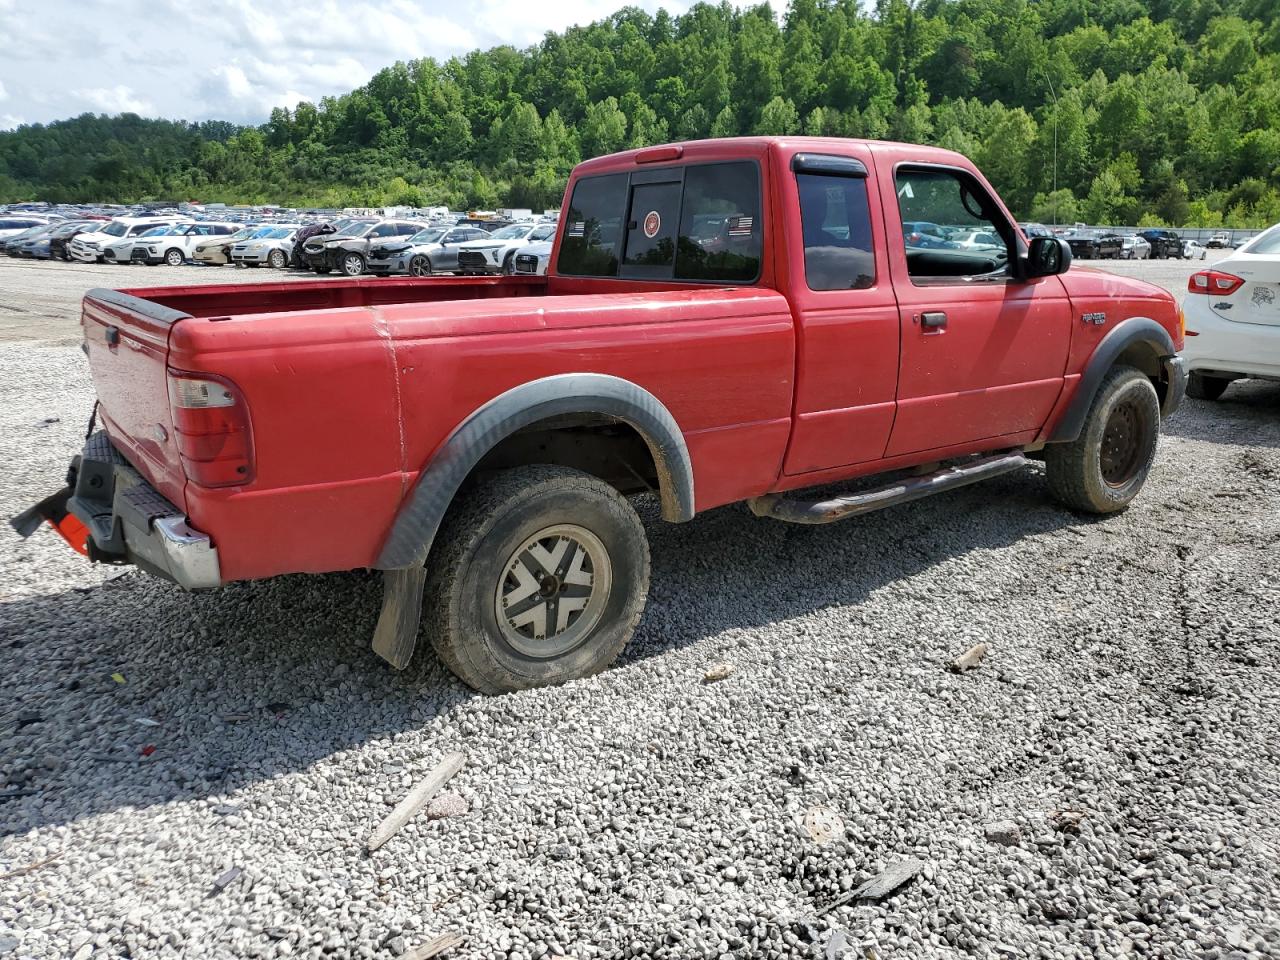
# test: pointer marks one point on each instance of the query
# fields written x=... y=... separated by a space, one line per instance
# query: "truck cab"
x=746 y=320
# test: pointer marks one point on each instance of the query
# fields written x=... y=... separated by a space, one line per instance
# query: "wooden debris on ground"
x=415 y=800
x=436 y=945
x=881 y=885
x=721 y=671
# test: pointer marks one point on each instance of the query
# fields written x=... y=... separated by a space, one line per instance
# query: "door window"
x=590 y=247
x=937 y=207
x=837 y=232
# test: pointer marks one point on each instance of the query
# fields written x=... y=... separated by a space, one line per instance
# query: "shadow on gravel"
x=1248 y=413
x=259 y=680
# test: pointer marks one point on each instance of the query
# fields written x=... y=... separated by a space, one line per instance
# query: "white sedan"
x=1233 y=318
x=1135 y=248
x=533 y=258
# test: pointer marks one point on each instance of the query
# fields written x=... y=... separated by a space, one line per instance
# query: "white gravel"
x=1132 y=678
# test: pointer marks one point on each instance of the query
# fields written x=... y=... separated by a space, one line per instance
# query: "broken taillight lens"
x=212 y=430
x=1215 y=282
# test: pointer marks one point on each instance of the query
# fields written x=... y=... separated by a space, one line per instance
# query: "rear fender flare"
x=420 y=516
x=1123 y=335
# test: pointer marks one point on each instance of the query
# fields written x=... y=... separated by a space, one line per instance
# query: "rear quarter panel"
x=348 y=405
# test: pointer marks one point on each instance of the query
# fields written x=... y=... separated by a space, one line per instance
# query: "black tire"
x=351 y=264
x=278 y=259
x=1202 y=387
x=477 y=553
x=1105 y=467
x=509 y=264
x=174 y=257
x=420 y=265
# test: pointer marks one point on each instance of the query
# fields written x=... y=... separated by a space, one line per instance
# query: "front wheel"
x=420 y=266
x=509 y=264
x=539 y=576
x=278 y=259
x=1103 y=469
x=174 y=257
x=352 y=264
x=1202 y=387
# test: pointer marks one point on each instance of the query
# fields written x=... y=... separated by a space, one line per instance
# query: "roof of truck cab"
x=727 y=147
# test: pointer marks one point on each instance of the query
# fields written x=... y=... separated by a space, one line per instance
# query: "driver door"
x=983 y=354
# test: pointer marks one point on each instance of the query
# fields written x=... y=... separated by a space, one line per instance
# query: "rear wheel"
x=1104 y=468
x=278 y=259
x=173 y=257
x=420 y=266
x=1202 y=387
x=539 y=576
x=352 y=264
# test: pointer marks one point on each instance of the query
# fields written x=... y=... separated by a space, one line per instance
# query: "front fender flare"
x=1122 y=336
x=565 y=394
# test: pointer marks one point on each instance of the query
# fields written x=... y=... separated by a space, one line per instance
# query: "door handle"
x=933 y=321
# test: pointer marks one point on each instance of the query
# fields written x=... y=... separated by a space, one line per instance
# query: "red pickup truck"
x=726 y=320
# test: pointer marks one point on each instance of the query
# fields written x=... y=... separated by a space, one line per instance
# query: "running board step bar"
x=795 y=510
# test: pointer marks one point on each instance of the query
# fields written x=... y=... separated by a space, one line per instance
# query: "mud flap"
x=397 y=632
x=53 y=510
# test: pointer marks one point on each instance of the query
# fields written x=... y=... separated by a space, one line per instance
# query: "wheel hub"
x=552 y=591
x=1122 y=445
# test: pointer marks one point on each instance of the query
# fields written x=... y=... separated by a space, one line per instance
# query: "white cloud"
x=117 y=99
x=4 y=94
x=237 y=59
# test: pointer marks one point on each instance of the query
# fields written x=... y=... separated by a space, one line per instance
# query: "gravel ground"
x=1106 y=784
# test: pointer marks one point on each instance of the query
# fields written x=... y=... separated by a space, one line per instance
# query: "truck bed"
x=240 y=299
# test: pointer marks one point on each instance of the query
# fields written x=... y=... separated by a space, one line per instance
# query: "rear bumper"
x=128 y=521
x=1220 y=347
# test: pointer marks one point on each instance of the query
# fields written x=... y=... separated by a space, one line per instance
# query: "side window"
x=838 y=254
x=542 y=233
x=721 y=235
x=937 y=206
x=382 y=230
x=593 y=227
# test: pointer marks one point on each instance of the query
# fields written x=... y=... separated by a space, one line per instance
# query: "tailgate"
x=127 y=341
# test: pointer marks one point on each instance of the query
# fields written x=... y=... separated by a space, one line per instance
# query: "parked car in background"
x=1233 y=318
x=968 y=239
x=1135 y=248
x=496 y=252
x=433 y=250
x=271 y=247
x=88 y=247
x=533 y=258
x=121 y=250
x=1164 y=243
x=347 y=250
x=216 y=251
x=297 y=259
x=176 y=245
x=925 y=236
x=66 y=232
x=1030 y=230
x=12 y=243
x=1192 y=250
x=38 y=245
x=11 y=226
x=1090 y=245
x=1219 y=240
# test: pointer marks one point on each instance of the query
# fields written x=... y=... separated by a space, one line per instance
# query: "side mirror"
x=1046 y=257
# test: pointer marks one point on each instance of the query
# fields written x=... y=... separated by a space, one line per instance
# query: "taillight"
x=1214 y=281
x=211 y=427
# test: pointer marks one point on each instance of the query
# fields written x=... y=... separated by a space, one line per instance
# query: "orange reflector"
x=74 y=532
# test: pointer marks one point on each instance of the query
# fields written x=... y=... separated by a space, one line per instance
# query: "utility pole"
x=1055 y=147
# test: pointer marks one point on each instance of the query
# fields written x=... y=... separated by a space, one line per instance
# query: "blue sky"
x=236 y=59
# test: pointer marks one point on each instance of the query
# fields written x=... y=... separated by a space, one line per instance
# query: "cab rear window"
x=692 y=223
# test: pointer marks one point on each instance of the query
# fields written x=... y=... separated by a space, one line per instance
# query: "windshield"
x=240 y=234
x=277 y=233
x=513 y=232
x=432 y=235
x=157 y=231
x=115 y=229
x=357 y=228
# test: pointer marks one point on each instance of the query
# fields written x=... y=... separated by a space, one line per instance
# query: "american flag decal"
x=740 y=226
x=577 y=228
